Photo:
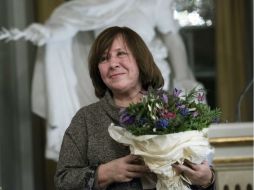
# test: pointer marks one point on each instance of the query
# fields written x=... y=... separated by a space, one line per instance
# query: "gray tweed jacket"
x=86 y=144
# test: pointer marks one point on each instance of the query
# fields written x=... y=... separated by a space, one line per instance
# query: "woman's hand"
x=121 y=170
x=198 y=174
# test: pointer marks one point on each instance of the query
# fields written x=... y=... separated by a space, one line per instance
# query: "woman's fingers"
x=138 y=168
x=190 y=164
x=199 y=174
x=205 y=162
x=176 y=168
x=128 y=167
x=183 y=169
x=133 y=159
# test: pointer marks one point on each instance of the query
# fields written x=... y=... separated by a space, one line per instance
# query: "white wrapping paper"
x=160 y=151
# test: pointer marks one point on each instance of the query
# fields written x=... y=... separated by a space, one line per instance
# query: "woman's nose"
x=114 y=61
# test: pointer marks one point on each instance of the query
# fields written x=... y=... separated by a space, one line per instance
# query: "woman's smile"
x=116 y=75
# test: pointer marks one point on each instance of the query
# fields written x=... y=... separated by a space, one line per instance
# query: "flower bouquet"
x=167 y=128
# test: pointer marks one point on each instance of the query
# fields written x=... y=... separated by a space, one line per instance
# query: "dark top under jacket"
x=86 y=144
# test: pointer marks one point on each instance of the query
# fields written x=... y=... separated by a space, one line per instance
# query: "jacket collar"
x=110 y=107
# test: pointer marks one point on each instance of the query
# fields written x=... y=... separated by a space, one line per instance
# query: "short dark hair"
x=150 y=74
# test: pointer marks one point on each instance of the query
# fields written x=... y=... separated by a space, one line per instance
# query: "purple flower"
x=176 y=92
x=195 y=114
x=180 y=106
x=184 y=111
x=162 y=123
x=127 y=119
x=165 y=98
x=201 y=97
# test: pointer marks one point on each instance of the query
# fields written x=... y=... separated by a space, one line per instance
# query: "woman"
x=121 y=68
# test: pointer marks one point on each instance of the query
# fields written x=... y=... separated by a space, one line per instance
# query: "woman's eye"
x=121 y=53
x=103 y=58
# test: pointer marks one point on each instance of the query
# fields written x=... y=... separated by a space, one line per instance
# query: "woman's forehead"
x=118 y=43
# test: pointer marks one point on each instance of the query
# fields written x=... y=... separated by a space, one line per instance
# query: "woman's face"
x=118 y=68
